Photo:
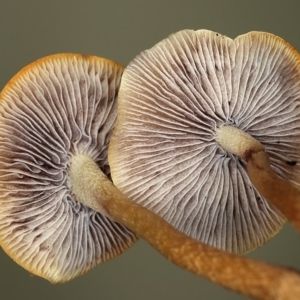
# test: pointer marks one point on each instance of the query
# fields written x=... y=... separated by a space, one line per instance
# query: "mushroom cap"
x=53 y=109
x=164 y=155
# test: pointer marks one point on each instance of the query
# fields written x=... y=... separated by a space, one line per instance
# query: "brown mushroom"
x=50 y=111
x=171 y=152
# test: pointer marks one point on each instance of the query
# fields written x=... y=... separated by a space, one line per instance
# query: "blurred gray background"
x=119 y=30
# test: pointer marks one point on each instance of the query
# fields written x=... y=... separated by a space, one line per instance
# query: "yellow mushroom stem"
x=249 y=277
x=278 y=191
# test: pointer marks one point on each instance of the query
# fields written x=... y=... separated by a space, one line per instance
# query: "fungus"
x=190 y=109
x=52 y=110
x=55 y=122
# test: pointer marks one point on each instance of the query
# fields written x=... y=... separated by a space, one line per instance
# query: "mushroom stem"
x=246 y=276
x=278 y=191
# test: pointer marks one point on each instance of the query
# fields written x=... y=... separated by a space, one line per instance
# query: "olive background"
x=119 y=30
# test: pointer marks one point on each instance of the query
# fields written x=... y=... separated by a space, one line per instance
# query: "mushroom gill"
x=56 y=108
x=164 y=152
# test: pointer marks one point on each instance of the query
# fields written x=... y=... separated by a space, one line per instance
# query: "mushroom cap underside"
x=163 y=153
x=53 y=109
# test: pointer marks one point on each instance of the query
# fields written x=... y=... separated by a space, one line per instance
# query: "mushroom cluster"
x=195 y=114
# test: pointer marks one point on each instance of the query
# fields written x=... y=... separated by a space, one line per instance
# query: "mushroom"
x=56 y=117
x=190 y=109
x=52 y=110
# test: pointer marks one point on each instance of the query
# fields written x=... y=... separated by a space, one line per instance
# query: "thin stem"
x=246 y=276
x=278 y=191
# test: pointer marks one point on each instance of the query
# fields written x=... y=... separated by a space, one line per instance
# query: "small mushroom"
x=169 y=151
x=52 y=110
